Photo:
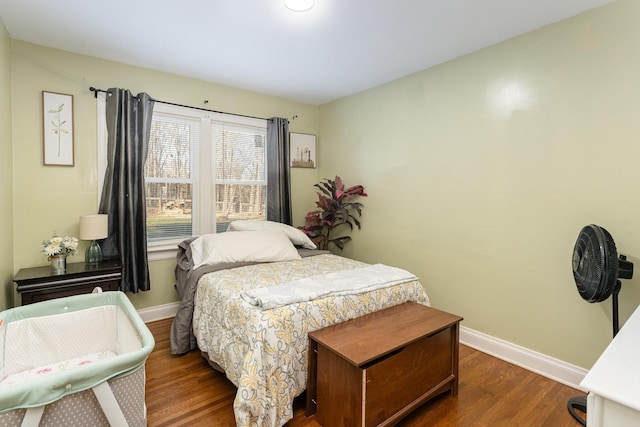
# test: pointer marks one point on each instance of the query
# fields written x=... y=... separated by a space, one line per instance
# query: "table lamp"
x=94 y=227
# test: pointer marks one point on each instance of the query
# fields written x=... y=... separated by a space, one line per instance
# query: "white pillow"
x=239 y=246
x=296 y=236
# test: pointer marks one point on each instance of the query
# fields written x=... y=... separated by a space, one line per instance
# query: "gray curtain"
x=278 y=172
x=123 y=195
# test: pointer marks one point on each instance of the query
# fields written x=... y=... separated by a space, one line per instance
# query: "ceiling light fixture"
x=299 y=5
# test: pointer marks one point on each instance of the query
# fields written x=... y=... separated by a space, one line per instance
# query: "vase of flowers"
x=337 y=210
x=57 y=250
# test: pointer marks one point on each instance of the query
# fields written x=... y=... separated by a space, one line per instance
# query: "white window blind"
x=240 y=181
x=171 y=177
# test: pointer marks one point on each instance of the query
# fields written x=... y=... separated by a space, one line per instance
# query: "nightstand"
x=39 y=284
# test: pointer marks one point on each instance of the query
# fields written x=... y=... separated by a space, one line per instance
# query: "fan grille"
x=595 y=263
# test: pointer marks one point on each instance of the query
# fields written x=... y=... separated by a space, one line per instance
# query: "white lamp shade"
x=94 y=227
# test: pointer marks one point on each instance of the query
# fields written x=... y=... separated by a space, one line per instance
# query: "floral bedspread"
x=264 y=352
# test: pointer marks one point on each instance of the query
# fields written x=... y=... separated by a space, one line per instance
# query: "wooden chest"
x=375 y=369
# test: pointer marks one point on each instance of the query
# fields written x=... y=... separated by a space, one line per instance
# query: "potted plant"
x=58 y=249
x=337 y=210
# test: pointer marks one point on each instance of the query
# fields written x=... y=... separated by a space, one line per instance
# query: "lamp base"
x=93 y=255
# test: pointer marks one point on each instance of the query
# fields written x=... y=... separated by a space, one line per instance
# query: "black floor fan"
x=597 y=270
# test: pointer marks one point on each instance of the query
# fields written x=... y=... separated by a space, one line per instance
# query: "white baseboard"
x=539 y=363
x=159 y=312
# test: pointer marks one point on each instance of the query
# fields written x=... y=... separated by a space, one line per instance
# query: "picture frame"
x=57 y=129
x=302 y=150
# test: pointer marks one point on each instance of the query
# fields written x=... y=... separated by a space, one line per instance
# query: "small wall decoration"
x=57 y=124
x=303 y=150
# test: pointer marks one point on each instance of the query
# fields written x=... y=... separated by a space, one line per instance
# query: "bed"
x=250 y=318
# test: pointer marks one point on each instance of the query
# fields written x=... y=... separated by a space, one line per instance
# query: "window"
x=170 y=177
x=203 y=170
x=240 y=179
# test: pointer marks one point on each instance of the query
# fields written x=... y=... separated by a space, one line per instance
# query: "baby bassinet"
x=75 y=361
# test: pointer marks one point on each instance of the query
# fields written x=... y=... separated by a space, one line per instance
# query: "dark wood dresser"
x=39 y=284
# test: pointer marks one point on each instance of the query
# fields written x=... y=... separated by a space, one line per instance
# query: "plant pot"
x=58 y=264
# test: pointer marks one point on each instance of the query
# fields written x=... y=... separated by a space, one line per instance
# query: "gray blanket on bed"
x=182 y=338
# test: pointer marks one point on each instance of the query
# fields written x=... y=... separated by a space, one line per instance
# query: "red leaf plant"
x=336 y=210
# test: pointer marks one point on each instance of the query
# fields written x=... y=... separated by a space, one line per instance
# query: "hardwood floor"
x=184 y=390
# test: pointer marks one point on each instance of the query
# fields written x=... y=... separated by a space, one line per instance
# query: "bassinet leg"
x=32 y=417
x=109 y=405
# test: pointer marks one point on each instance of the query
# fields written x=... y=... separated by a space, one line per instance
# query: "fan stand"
x=614 y=302
x=580 y=402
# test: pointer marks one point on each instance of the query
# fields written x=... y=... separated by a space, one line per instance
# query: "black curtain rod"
x=95 y=95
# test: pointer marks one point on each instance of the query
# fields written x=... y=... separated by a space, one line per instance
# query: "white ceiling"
x=338 y=48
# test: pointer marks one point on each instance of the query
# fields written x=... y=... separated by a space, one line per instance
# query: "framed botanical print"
x=57 y=126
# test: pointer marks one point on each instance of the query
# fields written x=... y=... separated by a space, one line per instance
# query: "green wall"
x=6 y=181
x=52 y=198
x=482 y=171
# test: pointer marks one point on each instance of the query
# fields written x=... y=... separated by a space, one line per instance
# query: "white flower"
x=70 y=243
x=52 y=249
x=57 y=245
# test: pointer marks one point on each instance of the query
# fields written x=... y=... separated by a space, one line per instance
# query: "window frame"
x=203 y=209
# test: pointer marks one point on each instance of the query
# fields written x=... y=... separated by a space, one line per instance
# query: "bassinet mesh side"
x=82 y=409
x=74 y=327
x=59 y=337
